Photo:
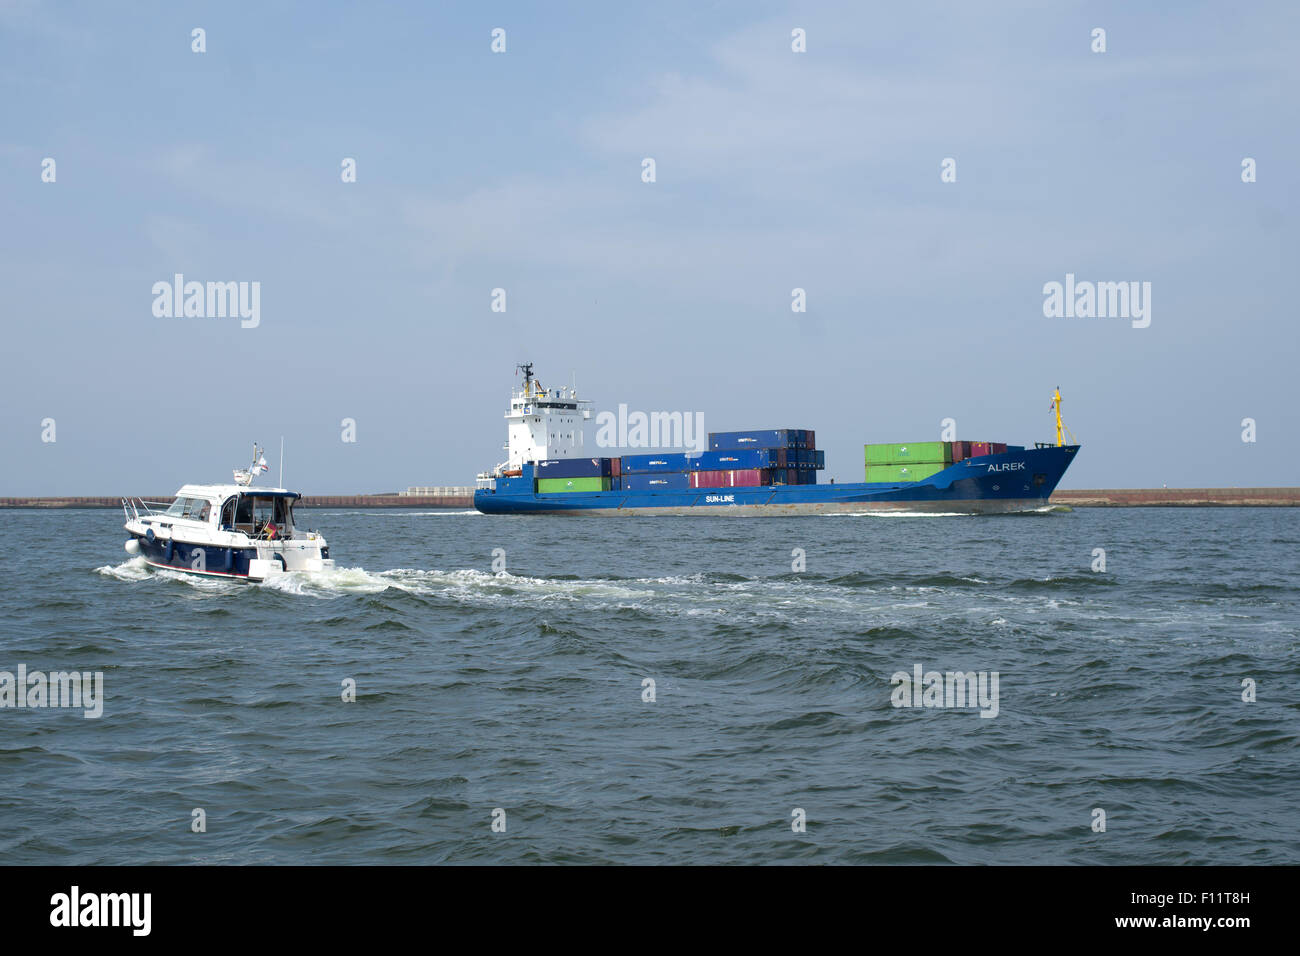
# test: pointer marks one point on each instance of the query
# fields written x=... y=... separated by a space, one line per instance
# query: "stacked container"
x=664 y=481
x=744 y=478
x=747 y=459
x=906 y=461
x=917 y=471
x=575 y=468
x=760 y=438
x=657 y=463
x=550 y=486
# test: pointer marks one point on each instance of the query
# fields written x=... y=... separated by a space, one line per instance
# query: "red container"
x=960 y=450
x=812 y=438
x=739 y=478
x=615 y=467
x=997 y=448
x=750 y=478
x=978 y=448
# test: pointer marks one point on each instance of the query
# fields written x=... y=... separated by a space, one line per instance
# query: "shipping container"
x=655 y=464
x=747 y=478
x=980 y=448
x=997 y=448
x=819 y=460
x=667 y=481
x=550 y=486
x=615 y=467
x=573 y=468
x=736 y=458
x=917 y=471
x=900 y=453
x=812 y=438
x=756 y=438
x=960 y=451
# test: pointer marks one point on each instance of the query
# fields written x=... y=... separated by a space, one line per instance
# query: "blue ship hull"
x=1021 y=480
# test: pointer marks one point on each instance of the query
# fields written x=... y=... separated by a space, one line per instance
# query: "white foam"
x=132 y=569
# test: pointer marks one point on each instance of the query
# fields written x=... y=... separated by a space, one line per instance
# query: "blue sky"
x=522 y=171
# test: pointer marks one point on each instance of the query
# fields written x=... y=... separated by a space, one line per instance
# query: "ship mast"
x=1056 y=404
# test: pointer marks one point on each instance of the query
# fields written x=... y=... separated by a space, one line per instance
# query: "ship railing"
x=133 y=508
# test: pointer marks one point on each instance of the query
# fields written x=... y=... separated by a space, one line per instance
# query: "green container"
x=902 y=453
x=551 y=486
x=917 y=471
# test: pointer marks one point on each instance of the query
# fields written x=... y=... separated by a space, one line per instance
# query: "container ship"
x=771 y=471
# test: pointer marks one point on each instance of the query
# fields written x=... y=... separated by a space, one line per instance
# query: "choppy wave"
x=524 y=688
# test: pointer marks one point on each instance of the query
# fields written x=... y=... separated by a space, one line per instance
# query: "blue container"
x=573 y=468
x=663 y=481
x=819 y=459
x=757 y=438
x=733 y=459
x=655 y=464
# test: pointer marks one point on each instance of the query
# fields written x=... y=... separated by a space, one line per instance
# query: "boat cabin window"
x=257 y=515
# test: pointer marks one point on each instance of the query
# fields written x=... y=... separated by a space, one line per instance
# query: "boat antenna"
x=527 y=369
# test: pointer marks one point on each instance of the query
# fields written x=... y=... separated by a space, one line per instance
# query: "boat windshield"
x=196 y=509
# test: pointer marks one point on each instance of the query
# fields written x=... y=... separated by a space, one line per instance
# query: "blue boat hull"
x=992 y=484
x=181 y=556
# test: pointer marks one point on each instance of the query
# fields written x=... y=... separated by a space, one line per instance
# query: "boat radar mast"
x=245 y=476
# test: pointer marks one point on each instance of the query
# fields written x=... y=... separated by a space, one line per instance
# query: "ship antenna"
x=527 y=369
